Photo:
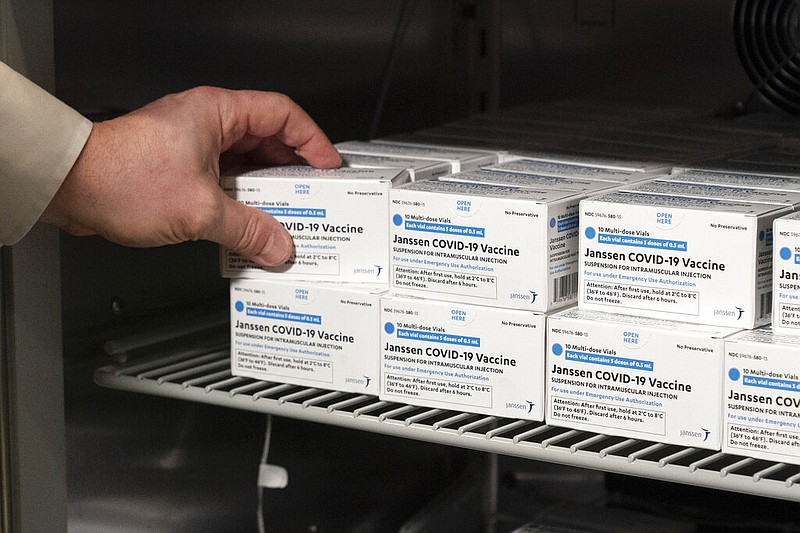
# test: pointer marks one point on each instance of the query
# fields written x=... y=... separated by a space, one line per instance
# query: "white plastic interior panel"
x=203 y=375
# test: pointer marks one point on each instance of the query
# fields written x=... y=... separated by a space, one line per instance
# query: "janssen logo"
x=736 y=312
x=527 y=406
x=365 y=380
x=702 y=434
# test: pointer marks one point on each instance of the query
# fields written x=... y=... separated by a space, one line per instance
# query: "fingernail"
x=276 y=251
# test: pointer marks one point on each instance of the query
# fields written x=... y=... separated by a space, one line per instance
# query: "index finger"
x=267 y=114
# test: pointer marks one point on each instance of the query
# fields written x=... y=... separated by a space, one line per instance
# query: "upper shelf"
x=203 y=375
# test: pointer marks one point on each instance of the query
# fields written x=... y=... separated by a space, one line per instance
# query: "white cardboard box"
x=502 y=246
x=715 y=191
x=463 y=357
x=786 y=275
x=535 y=181
x=618 y=164
x=459 y=159
x=695 y=260
x=635 y=377
x=427 y=139
x=762 y=396
x=337 y=218
x=311 y=334
x=572 y=170
x=418 y=169
x=735 y=179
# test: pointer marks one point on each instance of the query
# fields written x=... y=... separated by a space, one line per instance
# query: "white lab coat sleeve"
x=40 y=139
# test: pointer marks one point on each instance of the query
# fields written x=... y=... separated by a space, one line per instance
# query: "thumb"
x=256 y=235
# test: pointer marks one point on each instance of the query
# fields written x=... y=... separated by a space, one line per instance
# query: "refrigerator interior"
x=137 y=462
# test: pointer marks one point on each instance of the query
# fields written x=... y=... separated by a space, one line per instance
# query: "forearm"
x=40 y=139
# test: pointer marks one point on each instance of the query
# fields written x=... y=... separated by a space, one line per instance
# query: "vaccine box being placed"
x=337 y=218
x=418 y=169
x=459 y=159
x=311 y=334
x=465 y=357
x=508 y=247
x=695 y=260
x=535 y=181
x=786 y=275
x=636 y=377
x=762 y=396
x=575 y=171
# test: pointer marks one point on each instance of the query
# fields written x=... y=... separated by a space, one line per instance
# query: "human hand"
x=151 y=177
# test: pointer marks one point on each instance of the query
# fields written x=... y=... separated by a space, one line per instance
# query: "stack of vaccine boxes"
x=670 y=271
x=762 y=367
x=314 y=321
x=478 y=260
x=761 y=394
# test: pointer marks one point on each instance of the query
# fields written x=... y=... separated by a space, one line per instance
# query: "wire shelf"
x=206 y=378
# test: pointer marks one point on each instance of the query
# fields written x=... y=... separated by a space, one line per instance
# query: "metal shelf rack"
x=203 y=375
